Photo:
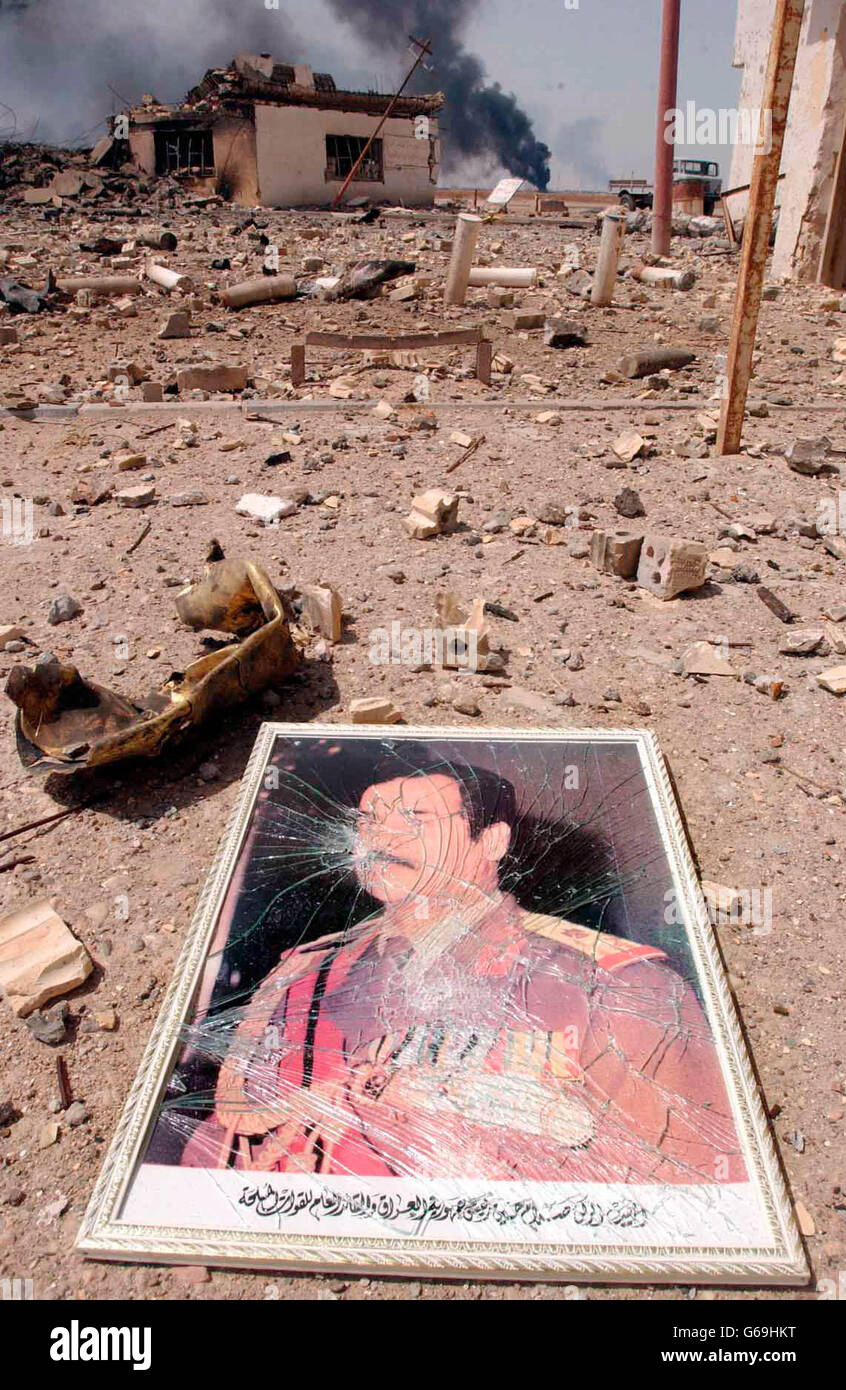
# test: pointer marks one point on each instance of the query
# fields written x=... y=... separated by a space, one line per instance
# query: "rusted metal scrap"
x=66 y=722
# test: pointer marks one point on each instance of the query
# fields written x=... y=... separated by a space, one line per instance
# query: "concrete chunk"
x=374 y=710
x=322 y=609
x=40 y=958
x=616 y=552
x=431 y=513
x=260 y=507
x=212 y=377
x=670 y=567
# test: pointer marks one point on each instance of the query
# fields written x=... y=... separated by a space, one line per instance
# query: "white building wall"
x=814 y=128
x=291 y=155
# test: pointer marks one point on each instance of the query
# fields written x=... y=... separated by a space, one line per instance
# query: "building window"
x=342 y=151
x=183 y=150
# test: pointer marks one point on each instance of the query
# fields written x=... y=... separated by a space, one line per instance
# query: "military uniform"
x=494 y=1045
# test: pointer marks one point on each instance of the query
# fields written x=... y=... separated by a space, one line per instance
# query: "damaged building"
x=810 y=243
x=262 y=132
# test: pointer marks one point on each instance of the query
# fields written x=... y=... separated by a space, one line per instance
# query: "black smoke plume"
x=481 y=119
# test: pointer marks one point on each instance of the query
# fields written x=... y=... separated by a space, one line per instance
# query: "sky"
x=585 y=71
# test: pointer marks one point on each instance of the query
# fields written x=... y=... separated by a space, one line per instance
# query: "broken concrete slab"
x=212 y=377
x=703 y=659
x=142 y=496
x=266 y=509
x=834 y=680
x=40 y=958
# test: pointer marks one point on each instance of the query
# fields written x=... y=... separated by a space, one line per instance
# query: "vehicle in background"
x=698 y=177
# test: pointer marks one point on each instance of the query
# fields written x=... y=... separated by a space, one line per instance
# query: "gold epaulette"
x=609 y=952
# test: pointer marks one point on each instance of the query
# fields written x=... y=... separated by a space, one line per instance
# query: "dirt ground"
x=761 y=781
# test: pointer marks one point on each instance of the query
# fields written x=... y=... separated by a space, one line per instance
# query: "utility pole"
x=425 y=47
x=778 y=83
x=662 y=197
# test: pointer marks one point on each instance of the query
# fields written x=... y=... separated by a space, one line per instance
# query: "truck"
x=704 y=173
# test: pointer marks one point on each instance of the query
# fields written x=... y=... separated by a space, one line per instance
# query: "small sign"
x=504 y=192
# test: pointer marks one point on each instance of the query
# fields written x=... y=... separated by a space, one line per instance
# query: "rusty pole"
x=784 y=45
x=662 y=196
x=425 y=47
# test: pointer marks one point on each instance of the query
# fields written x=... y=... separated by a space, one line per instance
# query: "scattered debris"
x=65 y=722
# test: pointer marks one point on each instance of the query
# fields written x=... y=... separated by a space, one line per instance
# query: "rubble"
x=834 y=680
x=322 y=610
x=212 y=377
x=373 y=709
x=40 y=958
x=616 y=552
x=432 y=513
x=267 y=510
x=671 y=567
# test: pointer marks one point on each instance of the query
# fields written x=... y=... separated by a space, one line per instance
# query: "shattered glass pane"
x=451 y=983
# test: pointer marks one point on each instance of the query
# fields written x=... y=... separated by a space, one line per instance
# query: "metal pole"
x=662 y=197
x=784 y=45
x=424 y=49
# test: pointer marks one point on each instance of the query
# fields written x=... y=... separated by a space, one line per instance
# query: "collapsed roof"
x=254 y=77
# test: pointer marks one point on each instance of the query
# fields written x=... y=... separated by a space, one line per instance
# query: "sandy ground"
x=761 y=781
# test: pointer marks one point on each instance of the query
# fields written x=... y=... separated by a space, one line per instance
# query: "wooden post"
x=484 y=357
x=467 y=228
x=605 y=276
x=784 y=45
x=298 y=368
x=662 y=195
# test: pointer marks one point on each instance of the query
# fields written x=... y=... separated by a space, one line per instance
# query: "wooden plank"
x=484 y=357
x=448 y=338
x=298 y=369
x=775 y=100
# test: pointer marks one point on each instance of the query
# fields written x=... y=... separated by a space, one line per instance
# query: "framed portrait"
x=451 y=1005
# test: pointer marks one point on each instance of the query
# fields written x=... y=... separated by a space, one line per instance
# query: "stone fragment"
x=834 y=680
x=670 y=567
x=628 y=445
x=142 y=496
x=176 y=325
x=322 y=610
x=40 y=958
x=267 y=510
x=703 y=659
x=616 y=552
x=524 y=320
x=50 y=1025
x=9 y=632
x=152 y=392
x=214 y=376
x=127 y=462
x=564 y=333
x=432 y=513
x=189 y=499
x=627 y=502
x=375 y=709
x=809 y=456
x=63 y=609
x=802 y=642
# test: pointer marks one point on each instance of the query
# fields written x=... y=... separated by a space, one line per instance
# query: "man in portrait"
x=453 y=1034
